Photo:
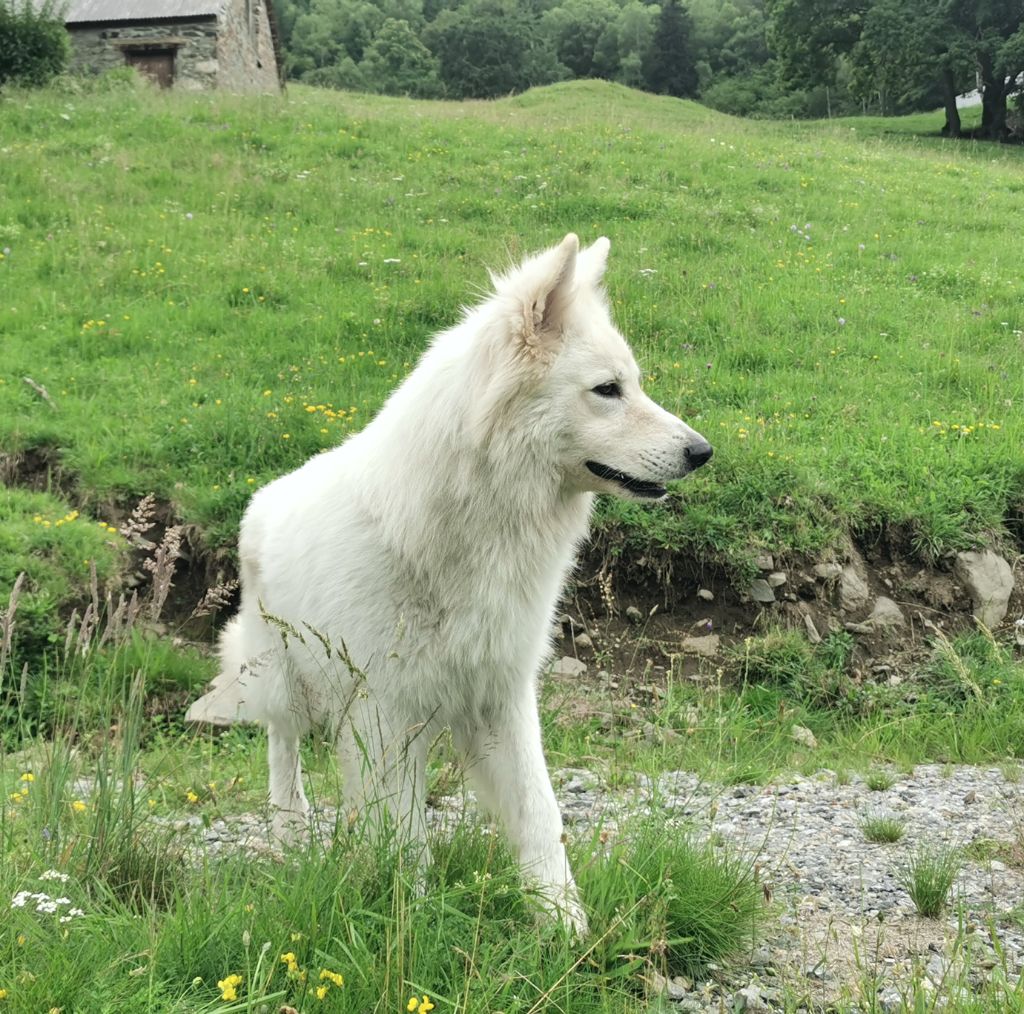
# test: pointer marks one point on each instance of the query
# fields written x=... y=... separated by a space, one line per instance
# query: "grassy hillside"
x=203 y=291
x=210 y=289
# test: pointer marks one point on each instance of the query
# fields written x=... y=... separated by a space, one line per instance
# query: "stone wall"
x=98 y=48
x=245 y=49
x=235 y=53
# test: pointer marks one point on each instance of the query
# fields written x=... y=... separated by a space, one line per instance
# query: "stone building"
x=183 y=44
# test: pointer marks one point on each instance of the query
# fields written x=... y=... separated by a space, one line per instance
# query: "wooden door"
x=156 y=64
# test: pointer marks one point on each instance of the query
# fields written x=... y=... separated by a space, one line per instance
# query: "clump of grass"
x=681 y=903
x=882 y=830
x=928 y=875
x=786 y=659
x=879 y=781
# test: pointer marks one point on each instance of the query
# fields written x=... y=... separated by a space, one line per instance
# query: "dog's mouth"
x=638 y=487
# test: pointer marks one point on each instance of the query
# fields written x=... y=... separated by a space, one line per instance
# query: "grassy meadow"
x=205 y=290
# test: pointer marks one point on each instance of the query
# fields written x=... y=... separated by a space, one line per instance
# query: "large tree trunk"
x=993 y=101
x=952 y=127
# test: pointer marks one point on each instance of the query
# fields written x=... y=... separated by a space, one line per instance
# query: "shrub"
x=34 y=45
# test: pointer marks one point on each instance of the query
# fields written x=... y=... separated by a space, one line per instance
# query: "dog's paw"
x=560 y=906
x=289 y=828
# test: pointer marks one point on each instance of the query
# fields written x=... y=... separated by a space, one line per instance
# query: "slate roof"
x=82 y=11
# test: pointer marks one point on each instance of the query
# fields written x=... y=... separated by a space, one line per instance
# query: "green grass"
x=245 y=280
x=879 y=781
x=211 y=289
x=735 y=725
x=882 y=830
x=928 y=876
x=144 y=924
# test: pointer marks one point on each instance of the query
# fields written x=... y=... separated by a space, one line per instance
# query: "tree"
x=488 y=48
x=909 y=55
x=670 y=68
x=995 y=29
x=633 y=33
x=575 y=28
x=398 y=63
x=809 y=36
x=906 y=48
x=331 y=30
x=34 y=44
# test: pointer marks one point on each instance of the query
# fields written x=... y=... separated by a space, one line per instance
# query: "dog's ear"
x=591 y=263
x=540 y=291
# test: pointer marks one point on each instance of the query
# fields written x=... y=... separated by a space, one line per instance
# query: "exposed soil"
x=643 y=616
x=644 y=627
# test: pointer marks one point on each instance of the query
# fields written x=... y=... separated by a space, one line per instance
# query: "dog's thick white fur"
x=405 y=581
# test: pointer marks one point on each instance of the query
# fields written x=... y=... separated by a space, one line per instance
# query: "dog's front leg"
x=505 y=763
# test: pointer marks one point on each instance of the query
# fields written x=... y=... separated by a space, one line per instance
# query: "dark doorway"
x=156 y=64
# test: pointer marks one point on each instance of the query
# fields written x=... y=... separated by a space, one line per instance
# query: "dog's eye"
x=610 y=390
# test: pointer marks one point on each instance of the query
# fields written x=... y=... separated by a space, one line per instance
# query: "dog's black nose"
x=698 y=454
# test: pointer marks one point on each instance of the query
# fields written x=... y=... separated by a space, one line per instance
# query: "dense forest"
x=748 y=57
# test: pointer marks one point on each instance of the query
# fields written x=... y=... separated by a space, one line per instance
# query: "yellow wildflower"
x=289 y=960
x=78 y=806
x=321 y=992
x=191 y=796
x=335 y=977
x=28 y=777
x=229 y=987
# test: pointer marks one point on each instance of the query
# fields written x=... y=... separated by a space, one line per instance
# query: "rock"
x=803 y=736
x=890 y=1000
x=970 y=797
x=675 y=988
x=989 y=580
x=583 y=641
x=567 y=666
x=812 y=631
x=764 y=561
x=853 y=589
x=705 y=595
x=706 y=646
x=776 y=579
x=761 y=590
x=634 y=615
x=749 y=998
x=886 y=615
x=826 y=571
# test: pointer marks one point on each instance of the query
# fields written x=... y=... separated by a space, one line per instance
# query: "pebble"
x=567 y=666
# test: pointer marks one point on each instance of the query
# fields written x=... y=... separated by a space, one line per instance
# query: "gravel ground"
x=844 y=929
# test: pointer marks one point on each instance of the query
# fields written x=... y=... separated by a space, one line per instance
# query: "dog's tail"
x=225 y=701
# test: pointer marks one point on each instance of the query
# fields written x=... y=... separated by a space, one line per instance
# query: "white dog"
x=405 y=581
